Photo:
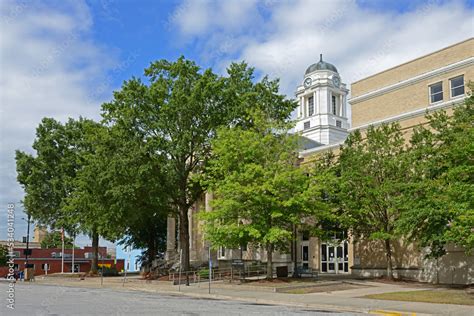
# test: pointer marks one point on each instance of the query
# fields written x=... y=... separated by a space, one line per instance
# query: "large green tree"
x=373 y=170
x=177 y=113
x=52 y=184
x=440 y=207
x=47 y=177
x=136 y=187
x=258 y=188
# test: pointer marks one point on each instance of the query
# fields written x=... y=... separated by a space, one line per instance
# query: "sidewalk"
x=342 y=301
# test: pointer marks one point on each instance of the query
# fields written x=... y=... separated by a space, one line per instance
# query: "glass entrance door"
x=335 y=258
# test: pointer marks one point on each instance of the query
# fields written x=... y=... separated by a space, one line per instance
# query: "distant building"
x=46 y=261
x=40 y=233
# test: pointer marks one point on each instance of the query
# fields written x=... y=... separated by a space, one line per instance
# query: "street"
x=35 y=299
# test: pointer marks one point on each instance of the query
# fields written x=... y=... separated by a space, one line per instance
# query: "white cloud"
x=284 y=37
x=49 y=67
x=199 y=16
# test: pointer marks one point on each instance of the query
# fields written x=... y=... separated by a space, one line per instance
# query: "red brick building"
x=51 y=260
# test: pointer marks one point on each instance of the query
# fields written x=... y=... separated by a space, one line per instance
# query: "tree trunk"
x=388 y=252
x=95 y=252
x=437 y=270
x=270 y=262
x=151 y=255
x=294 y=253
x=184 y=239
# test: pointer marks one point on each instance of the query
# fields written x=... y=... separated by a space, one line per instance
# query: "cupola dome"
x=321 y=65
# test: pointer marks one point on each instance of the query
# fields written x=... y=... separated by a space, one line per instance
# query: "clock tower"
x=322 y=110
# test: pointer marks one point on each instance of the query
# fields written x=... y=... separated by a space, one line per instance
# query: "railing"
x=163 y=265
x=226 y=274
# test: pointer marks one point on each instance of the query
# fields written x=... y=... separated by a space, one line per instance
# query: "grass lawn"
x=459 y=297
x=281 y=282
x=324 y=288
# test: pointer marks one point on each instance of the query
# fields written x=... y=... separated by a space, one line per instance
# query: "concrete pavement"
x=47 y=300
x=341 y=301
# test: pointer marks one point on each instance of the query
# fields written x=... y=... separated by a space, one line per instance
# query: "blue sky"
x=64 y=58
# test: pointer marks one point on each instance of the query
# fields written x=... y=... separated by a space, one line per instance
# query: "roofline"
x=412 y=60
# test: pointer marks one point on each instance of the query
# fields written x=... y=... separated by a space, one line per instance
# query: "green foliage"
x=48 y=178
x=204 y=273
x=439 y=194
x=53 y=240
x=323 y=195
x=372 y=175
x=258 y=187
x=3 y=256
x=108 y=271
x=177 y=114
x=52 y=182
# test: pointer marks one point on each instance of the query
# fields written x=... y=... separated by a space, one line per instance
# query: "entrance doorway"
x=305 y=256
x=335 y=257
x=305 y=249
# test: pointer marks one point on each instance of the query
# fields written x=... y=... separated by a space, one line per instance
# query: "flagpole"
x=73 y=240
x=62 y=253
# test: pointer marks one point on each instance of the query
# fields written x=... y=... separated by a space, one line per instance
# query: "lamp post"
x=27 y=239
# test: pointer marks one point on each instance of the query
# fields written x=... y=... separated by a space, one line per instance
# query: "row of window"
x=333 y=105
x=456 y=86
x=46 y=265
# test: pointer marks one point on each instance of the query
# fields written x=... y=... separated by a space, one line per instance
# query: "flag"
x=62 y=234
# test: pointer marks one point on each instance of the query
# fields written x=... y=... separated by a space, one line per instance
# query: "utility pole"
x=210 y=268
x=27 y=241
x=180 y=264
x=127 y=265
x=102 y=270
x=62 y=250
x=72 y=263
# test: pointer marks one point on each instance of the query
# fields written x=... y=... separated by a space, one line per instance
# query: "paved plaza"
x=35 y=299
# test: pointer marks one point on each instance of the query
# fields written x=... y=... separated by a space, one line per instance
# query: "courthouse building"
x=401 y=94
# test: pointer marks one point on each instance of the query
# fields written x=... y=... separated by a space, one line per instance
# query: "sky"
x=64 y=59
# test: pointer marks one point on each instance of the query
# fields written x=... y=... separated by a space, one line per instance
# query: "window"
x=457 y=86
x=305 y=235
x=338 y=124
x=45 y=265
x=436 y=92
x=305 y=253
x=310 y=106
x=334 y=105
x=77 y=267
x=306 y=125
x=16 y=254
x=221 y=251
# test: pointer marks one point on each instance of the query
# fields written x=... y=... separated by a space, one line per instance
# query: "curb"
x=319 y=307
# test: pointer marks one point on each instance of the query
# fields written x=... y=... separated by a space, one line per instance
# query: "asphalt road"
x=57 y=300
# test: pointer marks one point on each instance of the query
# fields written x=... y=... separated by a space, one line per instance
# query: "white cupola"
x=322 y=110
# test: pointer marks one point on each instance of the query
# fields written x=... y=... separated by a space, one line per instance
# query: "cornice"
x=410 y=81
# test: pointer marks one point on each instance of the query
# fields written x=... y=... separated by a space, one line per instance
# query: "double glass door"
x=335 y=258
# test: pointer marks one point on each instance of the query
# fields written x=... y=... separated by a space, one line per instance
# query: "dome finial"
x=320 y=57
